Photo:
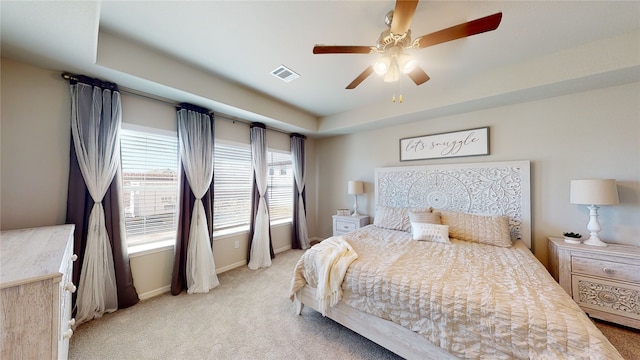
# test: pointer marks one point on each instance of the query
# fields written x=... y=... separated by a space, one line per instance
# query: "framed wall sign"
x=471 y=142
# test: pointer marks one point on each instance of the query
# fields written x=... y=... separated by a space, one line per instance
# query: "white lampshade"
x=355 y=187
x=594 y=192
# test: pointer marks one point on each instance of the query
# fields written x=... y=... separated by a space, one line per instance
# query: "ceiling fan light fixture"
x=406 y=63
x=393 y=74
x=382 y=65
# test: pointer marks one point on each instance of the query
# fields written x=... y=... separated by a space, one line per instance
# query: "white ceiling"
x=236 y=44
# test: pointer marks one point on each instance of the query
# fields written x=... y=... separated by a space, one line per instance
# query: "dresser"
x=344 y=224
x=36 y=286
x=603 y=281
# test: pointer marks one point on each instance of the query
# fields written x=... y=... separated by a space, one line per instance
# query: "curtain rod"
x=126 y=90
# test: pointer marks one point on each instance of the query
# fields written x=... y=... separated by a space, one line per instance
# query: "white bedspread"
x=473 y=300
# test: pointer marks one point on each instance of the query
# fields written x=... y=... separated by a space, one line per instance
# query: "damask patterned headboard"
x=493 y=188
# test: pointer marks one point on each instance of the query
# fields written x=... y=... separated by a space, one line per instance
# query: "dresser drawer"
x=609 y=296
x=606 y=269
x=345 y=226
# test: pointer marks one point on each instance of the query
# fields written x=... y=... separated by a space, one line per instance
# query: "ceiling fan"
x=393 y=42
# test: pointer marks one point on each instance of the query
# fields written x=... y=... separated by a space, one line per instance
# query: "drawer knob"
x=70 y=287
x=74 y=257
x=72 y=321
x=67 y=334
x=608 y=271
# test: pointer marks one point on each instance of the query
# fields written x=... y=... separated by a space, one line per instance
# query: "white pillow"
x=430 y=232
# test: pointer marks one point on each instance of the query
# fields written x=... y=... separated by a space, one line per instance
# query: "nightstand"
x=344 y=224
x=603 y=281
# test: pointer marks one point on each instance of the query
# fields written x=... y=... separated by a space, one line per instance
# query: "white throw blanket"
x=331 y=259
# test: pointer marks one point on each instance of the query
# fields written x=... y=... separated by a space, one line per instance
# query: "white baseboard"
x=282 y=249
x=165 y=289
x=153 y=293
x=231 y=266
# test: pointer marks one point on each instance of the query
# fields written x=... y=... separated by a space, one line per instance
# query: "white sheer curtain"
x=260 y=255
x=195 y=132
x=95 y=127
x=297 y=159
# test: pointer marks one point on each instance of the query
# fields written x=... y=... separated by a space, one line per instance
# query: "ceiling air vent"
x=285 y=74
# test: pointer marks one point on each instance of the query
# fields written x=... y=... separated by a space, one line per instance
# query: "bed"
x=481 y=294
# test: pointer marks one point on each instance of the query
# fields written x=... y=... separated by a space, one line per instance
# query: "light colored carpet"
x=249 y=316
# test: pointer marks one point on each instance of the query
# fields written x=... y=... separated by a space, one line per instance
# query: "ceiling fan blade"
x=470 y=28
x=343 y=49
x=365 y=74
x=418 y=76
x=402 y=16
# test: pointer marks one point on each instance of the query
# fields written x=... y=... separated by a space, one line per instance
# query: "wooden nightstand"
x=604 y=281
x=344 y=224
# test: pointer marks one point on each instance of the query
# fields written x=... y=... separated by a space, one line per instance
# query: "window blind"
x=150 y=185
x=280 y=185
x=233 y=182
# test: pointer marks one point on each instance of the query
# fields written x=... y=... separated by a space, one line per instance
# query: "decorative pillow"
x=428 y=217
x=390 y=218
x=484 y=229
x=406 y=220
x=430 y=232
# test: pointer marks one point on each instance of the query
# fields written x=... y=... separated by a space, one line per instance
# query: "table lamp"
x=354 y=188
x=593 y=193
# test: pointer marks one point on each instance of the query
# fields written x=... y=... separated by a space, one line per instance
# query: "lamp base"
x=594 y=228
x=595 y=241
x=355 y=205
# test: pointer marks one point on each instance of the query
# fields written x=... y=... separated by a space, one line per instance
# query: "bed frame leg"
x=299 y=304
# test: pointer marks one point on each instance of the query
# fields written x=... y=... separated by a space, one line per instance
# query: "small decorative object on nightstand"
x=603 y=281
x=344 y=224
x=593 y=193
x=572 y=238
x=355 y=188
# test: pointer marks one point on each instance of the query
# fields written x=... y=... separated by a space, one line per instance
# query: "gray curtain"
x=94 y=202
x=299 y=235
x=186 y=202
x=196 y=137
x=260 y=245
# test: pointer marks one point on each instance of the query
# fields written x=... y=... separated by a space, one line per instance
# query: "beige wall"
x=593 y=134
x=35 y=165
x=35 y=134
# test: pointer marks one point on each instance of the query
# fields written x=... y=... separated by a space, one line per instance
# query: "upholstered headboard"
x=492 y=188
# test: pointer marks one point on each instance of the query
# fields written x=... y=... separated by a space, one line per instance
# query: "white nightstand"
x=604 y=281
x=344 y=224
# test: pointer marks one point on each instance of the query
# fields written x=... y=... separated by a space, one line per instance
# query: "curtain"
x=196 y=135
x=79 y=204
x=299 y=236
x=186 y=200
x=95 y=160
x=260 y=246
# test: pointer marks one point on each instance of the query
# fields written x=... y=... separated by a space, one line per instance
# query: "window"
x=280 y=185
x=233 y=182
x=149 y=184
